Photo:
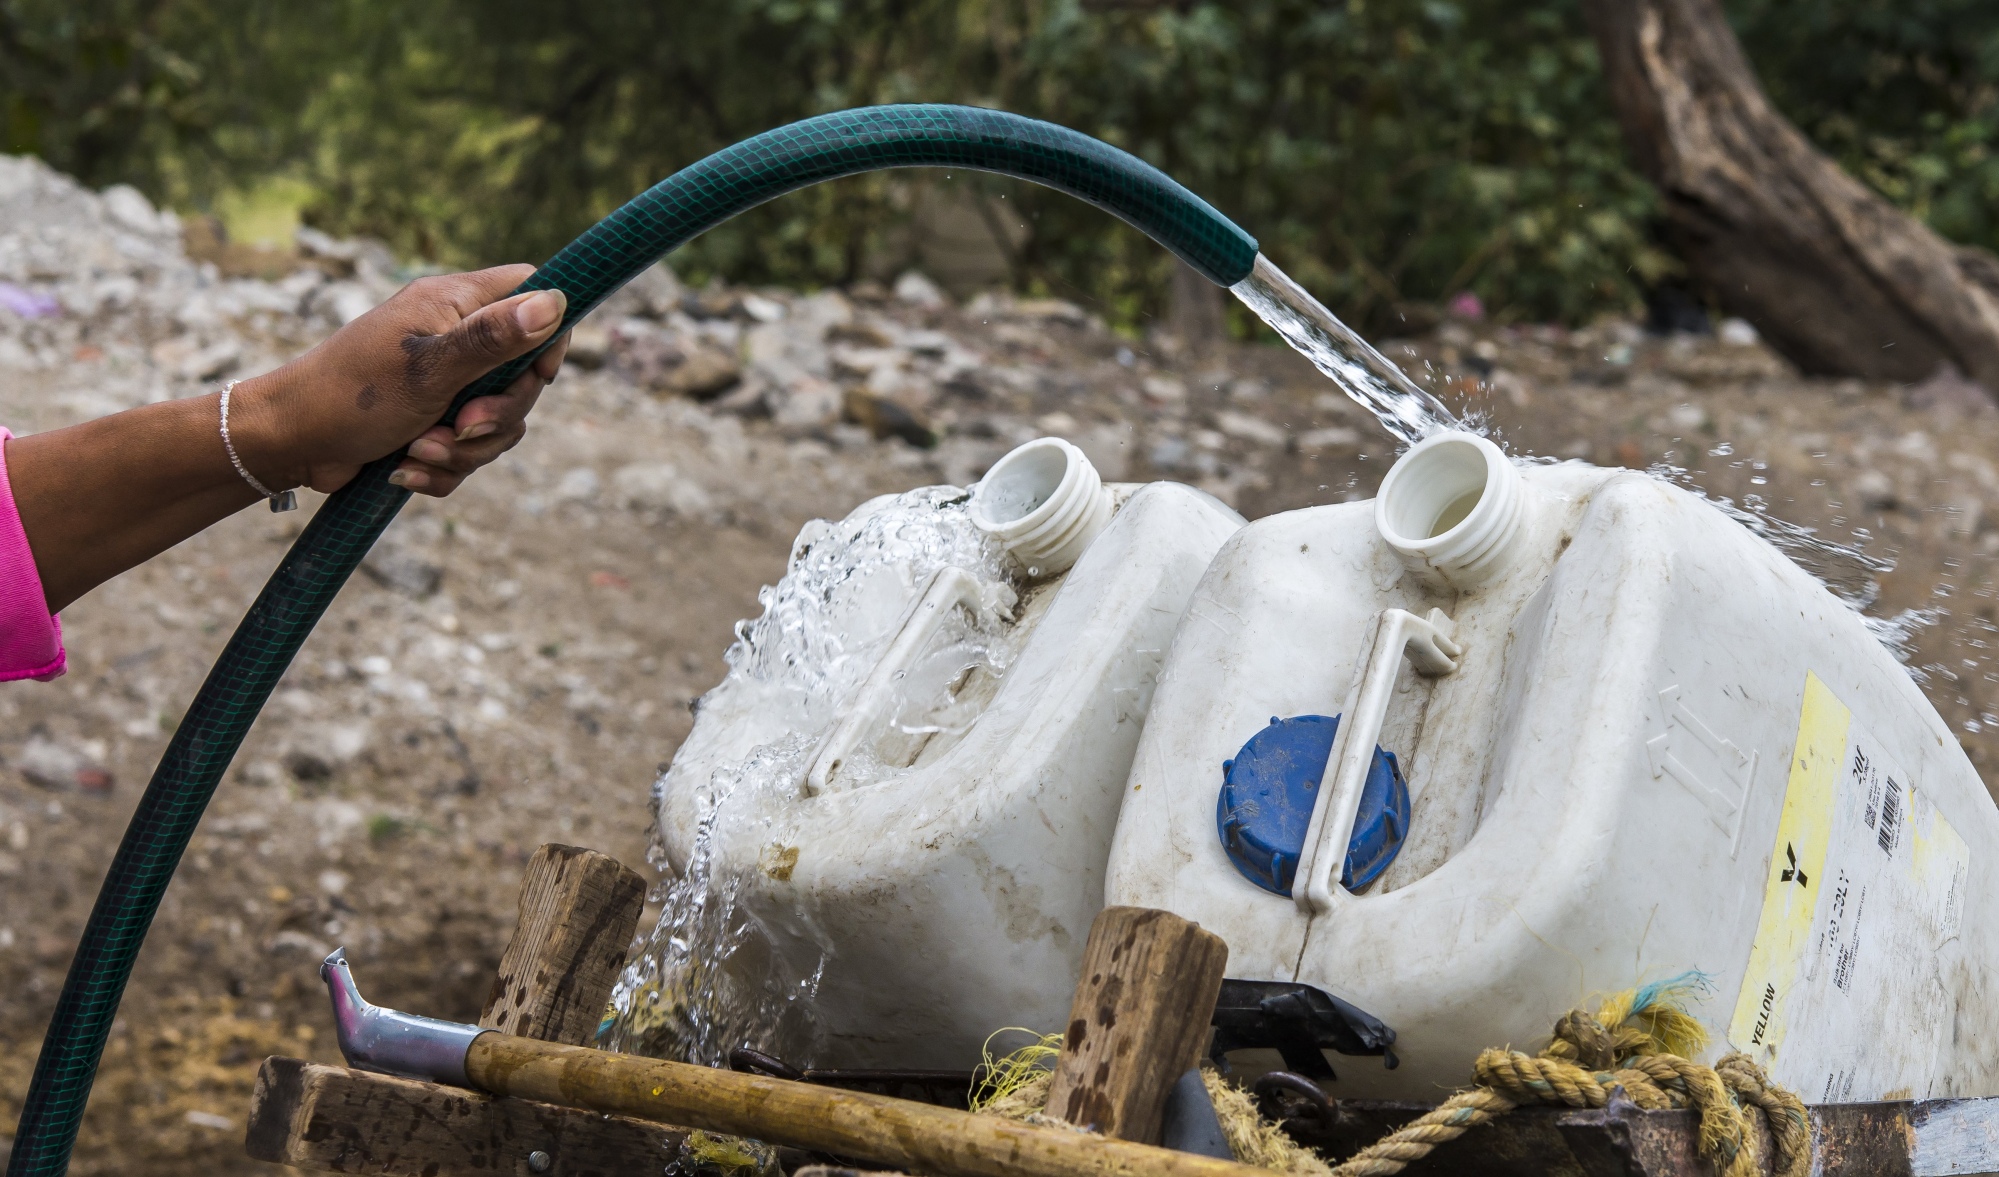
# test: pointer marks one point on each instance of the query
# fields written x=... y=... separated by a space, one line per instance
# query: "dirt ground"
x=518 y=661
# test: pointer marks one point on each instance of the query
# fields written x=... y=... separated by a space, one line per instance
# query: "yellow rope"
x=1624 y=1044
x=1015 y=1085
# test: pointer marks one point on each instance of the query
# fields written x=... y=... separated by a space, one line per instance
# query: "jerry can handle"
x=867 y=708
x=1430 y=645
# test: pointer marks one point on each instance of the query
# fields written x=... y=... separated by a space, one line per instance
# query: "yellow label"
x=1797 y=865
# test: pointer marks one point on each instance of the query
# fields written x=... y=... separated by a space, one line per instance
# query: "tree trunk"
x=1836 y=278
x=1195 y=312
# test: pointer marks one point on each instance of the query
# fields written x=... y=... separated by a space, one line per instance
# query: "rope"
x=1624 y=1044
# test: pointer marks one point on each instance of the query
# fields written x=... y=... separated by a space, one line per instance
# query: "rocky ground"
x=519 y=659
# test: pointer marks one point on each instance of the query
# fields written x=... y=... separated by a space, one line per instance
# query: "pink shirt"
x=30 y=636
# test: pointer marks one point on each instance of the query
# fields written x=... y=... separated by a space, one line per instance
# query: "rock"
x=579 y=485
x=183 y=356
x=656 y=292
x=50 y=764
x=1055 y=310
x=676 y=362
x=404 y=558
x=1875 y=490
x=589 y=345
x=1250 y=428
x=403 y=572
x=1948 y=391
x=704 y=371
x=1737 y=331
x=883 y=417
x=1333 y=437
x=129 y=207
x=314 y=752
x=919 y=291
x=805 y=403
x=763 y=310
x=659 y=486
x=1686 y=418
x=344 y=302
x=1169 y=452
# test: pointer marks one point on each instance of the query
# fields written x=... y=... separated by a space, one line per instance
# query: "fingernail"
x=410 y=479
x=538 y=311
x=425 y=450
x=480 y=430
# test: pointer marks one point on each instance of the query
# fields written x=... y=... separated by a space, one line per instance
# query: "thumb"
x=495 y=334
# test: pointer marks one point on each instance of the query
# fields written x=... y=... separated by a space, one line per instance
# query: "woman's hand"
x=380 y=383
x=97 y=498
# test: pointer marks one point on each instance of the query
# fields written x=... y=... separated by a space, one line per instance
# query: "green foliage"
x=1384 y=151
x=1904 y=93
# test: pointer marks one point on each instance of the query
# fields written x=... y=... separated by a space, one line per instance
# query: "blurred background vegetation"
x=1388 y=153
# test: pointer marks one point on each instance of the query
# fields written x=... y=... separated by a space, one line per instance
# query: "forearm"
x=103 y=496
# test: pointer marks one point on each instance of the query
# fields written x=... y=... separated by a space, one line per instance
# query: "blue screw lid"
x=1268 y=791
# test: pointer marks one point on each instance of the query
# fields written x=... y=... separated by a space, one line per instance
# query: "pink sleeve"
x=30 y=637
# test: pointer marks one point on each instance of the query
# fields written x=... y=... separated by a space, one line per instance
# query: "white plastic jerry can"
x=939 y=839
x=1592 y=734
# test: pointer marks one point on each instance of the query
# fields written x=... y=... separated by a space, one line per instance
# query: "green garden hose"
x=588 y=270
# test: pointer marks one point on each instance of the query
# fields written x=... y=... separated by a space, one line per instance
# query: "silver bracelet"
x=279 y=500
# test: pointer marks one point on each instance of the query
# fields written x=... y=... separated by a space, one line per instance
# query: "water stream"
x=1411 y=413
x=1373 y=381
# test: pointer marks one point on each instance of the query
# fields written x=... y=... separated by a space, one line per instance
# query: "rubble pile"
x=85 y=275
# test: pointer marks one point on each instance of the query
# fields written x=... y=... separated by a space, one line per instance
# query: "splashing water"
x=1370 y=378
x=1411 y=413
x=717 y=973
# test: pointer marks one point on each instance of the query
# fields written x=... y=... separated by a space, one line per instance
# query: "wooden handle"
x=1139 y=1020
x=915 y=1137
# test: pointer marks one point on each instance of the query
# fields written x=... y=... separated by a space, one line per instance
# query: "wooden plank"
x=345 y=1121
x=1138 y=1022
x=578 y=909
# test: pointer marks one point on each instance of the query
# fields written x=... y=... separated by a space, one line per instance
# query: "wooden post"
x=1139 y=1020
x=578 y=911
x=340 y=1120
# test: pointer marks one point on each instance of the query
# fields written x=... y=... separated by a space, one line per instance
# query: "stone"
x=919 y=291
x=1250 y=428
x=883 y=417
x=589 y=345
x=659 y=486
x=579 y=485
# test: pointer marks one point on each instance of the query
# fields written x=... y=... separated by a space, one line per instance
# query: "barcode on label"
x=1891 y=817
x=1872 y=781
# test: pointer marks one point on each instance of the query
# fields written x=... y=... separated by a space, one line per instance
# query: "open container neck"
x=1045 y=503
x=1454 y=508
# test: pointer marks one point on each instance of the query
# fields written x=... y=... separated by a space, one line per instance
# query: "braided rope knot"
x=1638 y=1041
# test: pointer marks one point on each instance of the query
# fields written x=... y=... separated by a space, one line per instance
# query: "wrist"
x=264 y=434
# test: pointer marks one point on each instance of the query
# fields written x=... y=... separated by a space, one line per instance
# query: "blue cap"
x=1269 y=789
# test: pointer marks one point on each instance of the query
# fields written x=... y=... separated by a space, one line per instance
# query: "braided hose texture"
x=588 y=270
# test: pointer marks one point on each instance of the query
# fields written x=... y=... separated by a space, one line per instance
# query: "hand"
x=380 y=383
